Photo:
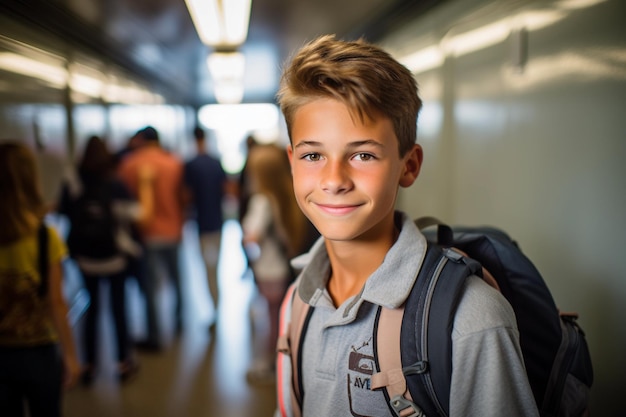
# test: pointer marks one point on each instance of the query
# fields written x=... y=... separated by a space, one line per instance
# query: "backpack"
x=416 y=373
x=93 y=225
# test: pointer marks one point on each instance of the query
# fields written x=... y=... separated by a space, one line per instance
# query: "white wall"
x=537 y=149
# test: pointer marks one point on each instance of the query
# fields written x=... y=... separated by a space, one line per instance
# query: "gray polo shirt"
x=338 y=357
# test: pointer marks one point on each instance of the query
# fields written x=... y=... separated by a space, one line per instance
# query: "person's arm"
x=283 y=358
x=230 y=188
x=59 y=311
x=257 y=220
x=488 y=373
x=62 y=204
x=145 y=194
x=187 y=197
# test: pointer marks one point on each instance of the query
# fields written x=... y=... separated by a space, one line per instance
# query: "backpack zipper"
x=424 y=340
x=563 y=360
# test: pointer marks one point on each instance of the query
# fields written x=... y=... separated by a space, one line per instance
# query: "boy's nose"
x=336 y=177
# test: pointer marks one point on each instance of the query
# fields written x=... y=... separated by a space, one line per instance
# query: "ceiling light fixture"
x=222 y=24
x=226 y=65
x=227 y=70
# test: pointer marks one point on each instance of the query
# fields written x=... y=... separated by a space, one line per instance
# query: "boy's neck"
x=352 y=263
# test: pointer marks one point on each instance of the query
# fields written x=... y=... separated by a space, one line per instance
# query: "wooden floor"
x=200 y=373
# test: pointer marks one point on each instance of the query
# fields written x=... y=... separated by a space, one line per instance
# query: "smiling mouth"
x=338 y=209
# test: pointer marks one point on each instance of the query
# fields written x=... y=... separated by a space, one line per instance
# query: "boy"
x=351 y=113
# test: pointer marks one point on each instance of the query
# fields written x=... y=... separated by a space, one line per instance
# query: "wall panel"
x=536 y=148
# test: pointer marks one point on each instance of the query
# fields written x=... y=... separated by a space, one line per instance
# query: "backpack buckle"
x=453 y=255
x=402 y=405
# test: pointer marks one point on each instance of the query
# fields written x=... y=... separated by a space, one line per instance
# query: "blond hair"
x=22 y=205
x=268 y=167
x=367 y=79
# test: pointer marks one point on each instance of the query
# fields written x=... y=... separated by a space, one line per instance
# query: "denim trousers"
x=161 y=258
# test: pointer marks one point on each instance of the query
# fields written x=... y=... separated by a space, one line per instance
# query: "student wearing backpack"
x=100 y=211
x=274 y=230
x=351 y=113
x=37 y=350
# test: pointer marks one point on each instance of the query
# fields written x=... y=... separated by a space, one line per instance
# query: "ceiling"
x=156 y=40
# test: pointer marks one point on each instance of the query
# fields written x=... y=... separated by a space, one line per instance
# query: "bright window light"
x=232 y=123
x=240 y=117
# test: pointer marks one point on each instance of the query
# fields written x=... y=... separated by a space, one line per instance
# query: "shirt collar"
x=388 y=286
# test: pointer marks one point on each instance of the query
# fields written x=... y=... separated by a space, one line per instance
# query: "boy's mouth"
x=338 y=209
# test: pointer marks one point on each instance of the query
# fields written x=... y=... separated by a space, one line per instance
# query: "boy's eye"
x=364 y=156
x=314 y=157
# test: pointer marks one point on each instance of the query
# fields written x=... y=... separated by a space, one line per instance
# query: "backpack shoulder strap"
x=391 y=375
x=42 y=250
x=294 y=317
x=387 y=354
x=414 y=346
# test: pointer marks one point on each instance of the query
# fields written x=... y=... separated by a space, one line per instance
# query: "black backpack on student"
x=555 y=351
x=93 y=225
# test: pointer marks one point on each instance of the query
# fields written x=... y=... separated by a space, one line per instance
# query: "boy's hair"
x=367 y=79
x=149 y=133
x=198 y=133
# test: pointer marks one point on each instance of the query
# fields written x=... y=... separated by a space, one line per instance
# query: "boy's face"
x=346 y=173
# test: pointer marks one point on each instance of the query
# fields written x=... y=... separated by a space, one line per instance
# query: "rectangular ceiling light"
x=222 y=24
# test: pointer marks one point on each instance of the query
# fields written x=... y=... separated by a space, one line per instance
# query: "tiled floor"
x=199 y=374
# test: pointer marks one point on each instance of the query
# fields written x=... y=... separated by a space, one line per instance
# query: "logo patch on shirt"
x=360 y=369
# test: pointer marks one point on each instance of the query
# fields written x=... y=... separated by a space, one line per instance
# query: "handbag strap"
x=42 y=241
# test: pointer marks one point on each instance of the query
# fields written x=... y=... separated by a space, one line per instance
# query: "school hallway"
x=199 y=373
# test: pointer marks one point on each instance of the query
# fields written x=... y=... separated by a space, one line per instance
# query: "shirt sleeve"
x=488 y=372
x=187 y=174
x=126 y=175
x=258 y=216
x=57 y=250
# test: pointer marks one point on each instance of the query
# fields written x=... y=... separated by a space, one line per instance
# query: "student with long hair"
x=100 y=210
x=37 y=350
x=277 y=230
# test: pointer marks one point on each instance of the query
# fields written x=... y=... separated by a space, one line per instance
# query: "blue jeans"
x=157 y=256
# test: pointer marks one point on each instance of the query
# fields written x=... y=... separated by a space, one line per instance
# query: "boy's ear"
x=289 y=150
x=412 y=165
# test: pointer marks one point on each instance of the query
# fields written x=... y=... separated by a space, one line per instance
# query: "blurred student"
x=100 y=211
x=135 y=265
x=243 y=186
x=37 y=351
x=207 y=184
x=274 y=230
x=161 y=233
